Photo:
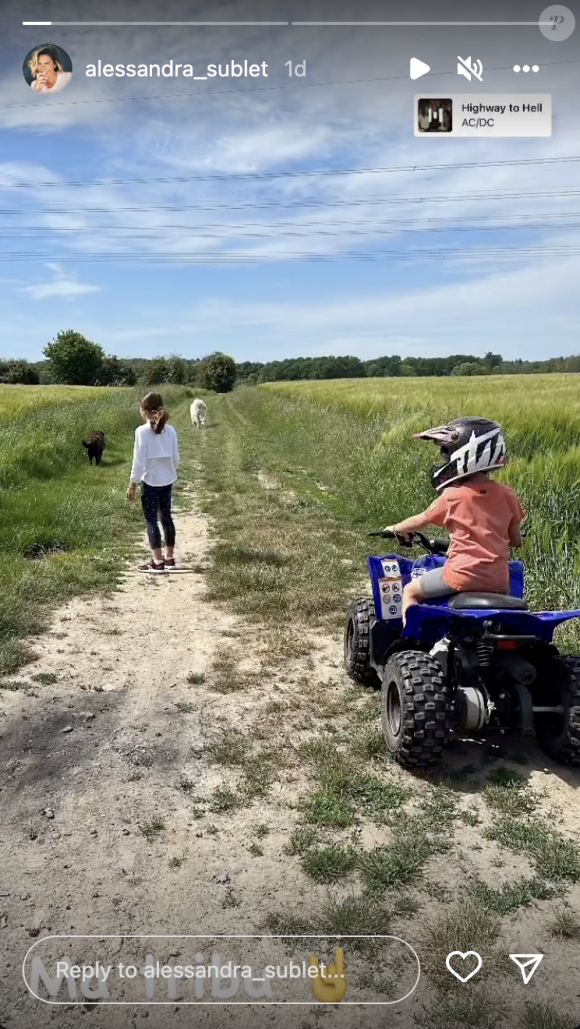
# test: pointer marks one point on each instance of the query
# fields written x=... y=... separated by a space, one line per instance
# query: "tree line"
x=73 y=359
x=251 y=372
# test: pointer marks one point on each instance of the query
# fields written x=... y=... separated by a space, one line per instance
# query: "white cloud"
x=514 y=312
x=64 y=284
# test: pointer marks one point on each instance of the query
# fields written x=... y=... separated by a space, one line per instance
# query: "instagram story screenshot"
x=289 y=514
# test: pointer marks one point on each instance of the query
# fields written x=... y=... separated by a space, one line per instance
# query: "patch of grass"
x=368 y=712
x=469 y=817
x=462 y=926
x=224 y=800
x=260 y=830
x=510 y=896
x=510 y=800
x=555 y=857
x=196 y=678
x=352 y=787
x=369 y=744
x=227 y=677
x=151 y=830
x=327 y=808
x=327 y=864
x=226 y=554
x=255 y=850
x=175 y=861
x=398 y=864
x=12 y=685
x=301 y=840
x=460 y=1010
x=508 y=792
x=543 y=1016
x=258 y=776
x=359 y=916
x=230 y=747
x=565 y=923
x=185 y=708
x=45 y=678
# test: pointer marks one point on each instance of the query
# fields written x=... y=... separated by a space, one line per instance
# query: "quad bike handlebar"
x=434 y=546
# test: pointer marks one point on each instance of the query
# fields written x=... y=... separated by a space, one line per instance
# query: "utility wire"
x=306 y=173
x=396 y=199
x=561 y=250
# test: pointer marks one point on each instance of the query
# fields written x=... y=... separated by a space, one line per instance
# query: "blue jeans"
x=156 y=503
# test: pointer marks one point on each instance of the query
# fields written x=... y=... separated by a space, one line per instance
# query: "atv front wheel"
x=359 y=617
x=558 y=732
x=417 y=709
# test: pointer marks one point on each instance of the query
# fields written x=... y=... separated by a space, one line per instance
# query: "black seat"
x=487 y=602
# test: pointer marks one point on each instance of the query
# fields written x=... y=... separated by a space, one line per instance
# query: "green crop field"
x=354 y=440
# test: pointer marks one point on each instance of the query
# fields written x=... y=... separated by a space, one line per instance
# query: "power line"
x=447 y=223
x=560 y=250
x=396 y=199
x=238 y=231
x=306 y=173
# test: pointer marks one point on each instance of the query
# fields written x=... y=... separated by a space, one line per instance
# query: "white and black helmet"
x=468 y=445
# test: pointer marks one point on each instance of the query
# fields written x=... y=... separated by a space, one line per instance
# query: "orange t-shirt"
x=477 y=516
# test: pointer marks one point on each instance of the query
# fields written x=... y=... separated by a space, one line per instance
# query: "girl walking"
x=155 y=462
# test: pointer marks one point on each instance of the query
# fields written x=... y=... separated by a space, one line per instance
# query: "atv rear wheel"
x=558 y=685
x=417 y=709
x=359 y=618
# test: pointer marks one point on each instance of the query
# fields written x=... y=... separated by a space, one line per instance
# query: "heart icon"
x=463 y=956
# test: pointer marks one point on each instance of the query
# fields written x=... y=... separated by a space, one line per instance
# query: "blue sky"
x=107 y=257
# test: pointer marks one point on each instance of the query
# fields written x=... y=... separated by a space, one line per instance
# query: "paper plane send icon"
x=527 y=964
x=418 y=68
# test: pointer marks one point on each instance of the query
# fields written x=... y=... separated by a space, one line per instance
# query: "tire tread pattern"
x=357 y=663
x=428 y=717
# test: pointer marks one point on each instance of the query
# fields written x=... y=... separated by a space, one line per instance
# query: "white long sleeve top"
x=155 y=456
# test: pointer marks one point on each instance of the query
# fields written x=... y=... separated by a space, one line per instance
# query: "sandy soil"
x=103 y=750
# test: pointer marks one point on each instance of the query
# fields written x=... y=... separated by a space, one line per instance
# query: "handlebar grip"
x=383 y=534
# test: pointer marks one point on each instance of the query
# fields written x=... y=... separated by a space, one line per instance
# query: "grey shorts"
x=433 y=584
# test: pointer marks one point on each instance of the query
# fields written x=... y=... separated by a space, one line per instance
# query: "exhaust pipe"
x=521 y=670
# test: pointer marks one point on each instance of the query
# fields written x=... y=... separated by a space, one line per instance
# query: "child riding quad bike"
x=462 y=659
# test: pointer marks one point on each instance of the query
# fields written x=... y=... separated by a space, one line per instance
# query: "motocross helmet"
x=468 y=445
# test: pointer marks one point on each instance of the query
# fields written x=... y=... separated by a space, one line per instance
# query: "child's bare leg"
x=412 y=594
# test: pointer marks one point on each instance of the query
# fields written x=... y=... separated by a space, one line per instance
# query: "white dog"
x=198 y=411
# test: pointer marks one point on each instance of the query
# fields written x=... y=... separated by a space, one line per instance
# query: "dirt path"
x=108 y=821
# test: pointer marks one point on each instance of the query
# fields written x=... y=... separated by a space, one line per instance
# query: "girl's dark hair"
x=152 y=404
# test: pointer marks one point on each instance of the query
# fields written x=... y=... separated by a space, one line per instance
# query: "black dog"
x=95 y=445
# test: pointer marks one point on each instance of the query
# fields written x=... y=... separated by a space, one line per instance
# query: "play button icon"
x=418 y=68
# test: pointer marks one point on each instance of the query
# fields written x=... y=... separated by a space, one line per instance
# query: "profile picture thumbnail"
x=434 y=115
x=47 y=69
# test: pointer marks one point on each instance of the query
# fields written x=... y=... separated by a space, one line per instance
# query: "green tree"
x=73 y=359
x=156 y=372
x=114 y=373
x=470 y=368
x=21 y=371
x=176 y=370
x=218 y=373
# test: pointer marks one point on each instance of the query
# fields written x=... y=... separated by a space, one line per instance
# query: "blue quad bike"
x=462 y=664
